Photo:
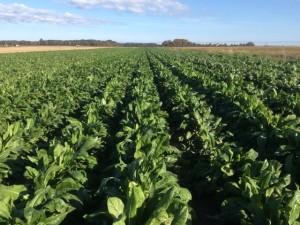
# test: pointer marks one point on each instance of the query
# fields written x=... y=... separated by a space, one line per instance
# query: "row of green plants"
x=275 y=136
x=261 y=71
x=55 y=179
x=275 y=82
x=44 y=114
x=244 y=185
x=140 y=189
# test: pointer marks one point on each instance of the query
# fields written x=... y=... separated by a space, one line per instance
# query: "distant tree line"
x=186 y=43
x=82 y=42
x=110 y=43
x=13 y=42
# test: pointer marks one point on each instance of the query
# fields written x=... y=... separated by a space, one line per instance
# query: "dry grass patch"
x=284 y=52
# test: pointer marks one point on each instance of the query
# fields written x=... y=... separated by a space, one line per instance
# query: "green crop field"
x=148 y=136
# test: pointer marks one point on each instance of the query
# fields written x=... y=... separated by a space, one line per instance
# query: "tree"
x=178 y=43
x=167 y=43
x=250 y=44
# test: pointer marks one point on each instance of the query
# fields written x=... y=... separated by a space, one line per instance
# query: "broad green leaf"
x=49 y=174
x=58 y=209
x=13 y=192
x=250 y=186
x=115 y=207
x=138 y=194
x=78 y=175
x=92 y=161
x=251 y=155
x=4 y=169
x=269 y=192
x=159 y=217
x=136 y=199
x=294 y=205
x=33 y=159
x=167 y=199
x=68 y=185
x=39 y=197
x=58 y=151
x=5 y=208
x=90 y=143
x=16 y=128
x=56 y=219
x=34 y=216
x=74 y=121
x=43 y=154
x=181 y=217
x=30 y=172
x=264 y=179
x=185 y=194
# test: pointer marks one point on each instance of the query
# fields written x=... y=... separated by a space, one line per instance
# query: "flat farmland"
x=283 y=52
x=14 y=49
x=149 y=136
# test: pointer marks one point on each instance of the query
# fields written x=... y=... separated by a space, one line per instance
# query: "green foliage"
x=135 y=136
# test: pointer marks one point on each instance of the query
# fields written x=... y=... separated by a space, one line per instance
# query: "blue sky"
x=151 y=20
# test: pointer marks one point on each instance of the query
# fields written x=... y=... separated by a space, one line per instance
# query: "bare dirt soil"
x=13 y=49
x=283 y=52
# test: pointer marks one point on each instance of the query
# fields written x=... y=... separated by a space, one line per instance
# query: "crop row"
x=140 y=189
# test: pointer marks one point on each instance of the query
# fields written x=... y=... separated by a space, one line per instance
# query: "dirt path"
x=13 y=49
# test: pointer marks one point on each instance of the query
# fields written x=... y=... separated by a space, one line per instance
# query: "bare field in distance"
x=283 y=52
x=13 y=49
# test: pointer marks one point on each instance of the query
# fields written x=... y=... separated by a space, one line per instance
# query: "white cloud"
x=19 y=13
x=167 y=7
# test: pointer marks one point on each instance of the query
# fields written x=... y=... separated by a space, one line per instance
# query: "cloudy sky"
x=151 y=20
